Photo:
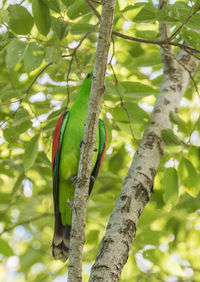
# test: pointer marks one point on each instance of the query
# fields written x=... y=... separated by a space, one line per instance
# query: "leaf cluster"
x=40 y=76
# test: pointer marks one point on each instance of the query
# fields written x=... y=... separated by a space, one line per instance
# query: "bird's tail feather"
x=60 y=244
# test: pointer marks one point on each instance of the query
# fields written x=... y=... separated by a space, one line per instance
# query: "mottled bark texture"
x=82 y=186
x=138 y=184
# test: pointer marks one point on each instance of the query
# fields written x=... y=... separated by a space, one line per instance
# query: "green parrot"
x=67 y=139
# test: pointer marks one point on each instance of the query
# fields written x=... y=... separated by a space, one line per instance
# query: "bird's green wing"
x=57 y=145
x=101 y=153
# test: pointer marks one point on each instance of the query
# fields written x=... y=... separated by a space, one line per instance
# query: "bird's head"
x=90 y=74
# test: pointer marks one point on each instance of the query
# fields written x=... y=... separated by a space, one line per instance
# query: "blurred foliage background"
x=46 y=49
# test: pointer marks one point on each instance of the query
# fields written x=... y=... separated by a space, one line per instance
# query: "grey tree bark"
x=138 y=184
x=83 y=178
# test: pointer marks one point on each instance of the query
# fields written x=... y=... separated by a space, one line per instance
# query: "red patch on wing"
x=104 y=150
x=56 y=137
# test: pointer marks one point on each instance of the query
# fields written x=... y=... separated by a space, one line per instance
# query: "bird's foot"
x=73 y=179
x=70 y=204
x=92 y=178
x=81 y=143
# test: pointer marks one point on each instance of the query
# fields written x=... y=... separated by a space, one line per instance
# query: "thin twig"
x=11 y=116
x=93 y=9
x=157 y=42
x=74 y=55
x=78 y=64
x=45 y=67
x=192 y=54
x=189 y=72
x=147 y=41
x=182 y=25
x=42 y=41
x=8 y=71
x=3 y=212
x=97 y=2
x=10 y=102
x=86 y=35
x=121 y=98
x=26 y=93
x=36 y=77
x=26 y=222
x=68 y=73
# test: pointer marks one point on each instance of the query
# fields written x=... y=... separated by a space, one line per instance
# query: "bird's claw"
x=73 y=179
x=92 y=178
x=81 y=143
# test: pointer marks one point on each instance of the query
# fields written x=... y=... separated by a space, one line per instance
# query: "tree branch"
x=26 y=222
x=85 y=164
x=138 y=184
x=182 y=25
x=44 y=68
x=160 y=43
x=74 y=55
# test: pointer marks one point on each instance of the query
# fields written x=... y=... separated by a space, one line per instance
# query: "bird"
x=66 y=147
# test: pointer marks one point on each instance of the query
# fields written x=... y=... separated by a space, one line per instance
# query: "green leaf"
x=7 y=94
x=78 y=9
x=147 y=13
x=188 y=176
x=146 y=34
x=60 y=27
x=54 y=115
x=5 y=197
x=33 y=57
x=194 y=22
x=170 y=186
x=17 y=186
x=68 y=2
x=196 y=5
x=53 y=5
x=15 y=52
x=170 y=138
x=150 y=59
x=21 y=116
x=130 y=90
x=24 y=126
x=30 y=153
x=10 y=134
x=4 y=16
x=22 y=121
x=5 y=39
x=80 y=28
x=48 y=54
x=149 y=236
x=192 y=37
x=131 y=11
x=137 y=115
x=30 y=257
x=136 y=89
x=41 y=16
x=5 y=249
x=167 y=15
x=92 y=236
x=174 y=118
x=178 y=13
x=21 y=20
x=194 y=156
x=117 y=160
